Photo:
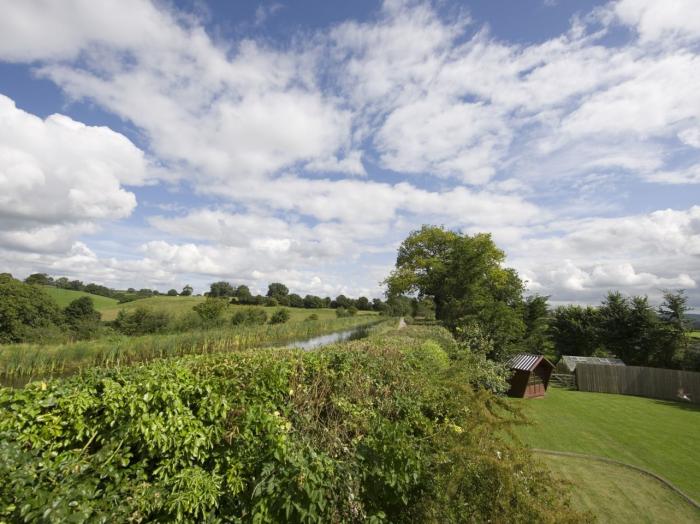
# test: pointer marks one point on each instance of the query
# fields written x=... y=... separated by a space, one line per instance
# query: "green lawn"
x=660 y=436
x=180 y=305
x=66 y=296
x=618 y=494
x=695 y=334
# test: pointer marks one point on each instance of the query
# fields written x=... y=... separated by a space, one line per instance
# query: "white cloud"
x=656 y=20
x=478 y=133
x=59 y=178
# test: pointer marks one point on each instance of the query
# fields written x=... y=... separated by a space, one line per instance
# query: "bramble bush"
x=387 y=428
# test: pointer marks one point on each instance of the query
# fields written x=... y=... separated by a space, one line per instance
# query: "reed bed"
x=22 y=363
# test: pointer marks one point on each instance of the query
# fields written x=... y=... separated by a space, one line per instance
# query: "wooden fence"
x=667 y=384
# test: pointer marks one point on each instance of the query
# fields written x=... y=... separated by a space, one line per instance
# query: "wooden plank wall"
x=640 y=381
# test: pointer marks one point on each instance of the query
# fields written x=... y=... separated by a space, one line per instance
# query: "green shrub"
x=141 y=321
x=311 y=317
x=249 y=317
x=280 y=316
x=27 y=313
x=211 y=309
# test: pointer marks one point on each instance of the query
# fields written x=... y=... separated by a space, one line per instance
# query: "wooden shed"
x=530 y=375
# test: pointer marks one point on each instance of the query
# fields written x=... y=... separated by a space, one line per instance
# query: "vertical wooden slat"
x=636 y=380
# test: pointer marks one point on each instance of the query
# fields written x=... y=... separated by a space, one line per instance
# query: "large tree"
x=277 y=290
x=465 y=277
x=221 y=289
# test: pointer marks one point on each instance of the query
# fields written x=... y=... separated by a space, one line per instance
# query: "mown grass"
x=177 y=306
x=618 y=494
x=695 y=334
x=65 y=296
x=20 y=363
x=656 y=435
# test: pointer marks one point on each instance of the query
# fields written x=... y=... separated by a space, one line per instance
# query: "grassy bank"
x=22 y=362
x=385 y=429
x=63 y=297
x=656 y=435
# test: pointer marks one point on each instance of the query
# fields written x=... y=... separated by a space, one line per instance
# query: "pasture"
x=65 y=296
x=178 y=306
x=659 y=436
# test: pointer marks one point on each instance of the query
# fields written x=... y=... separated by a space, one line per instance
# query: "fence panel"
x=667 y=384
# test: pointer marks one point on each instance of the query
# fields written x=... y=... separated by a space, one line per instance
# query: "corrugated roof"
x=571 y=360
x=526 y=362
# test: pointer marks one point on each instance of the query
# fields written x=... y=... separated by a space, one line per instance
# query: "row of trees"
x=278 y=294
x=629 y=328
x=472 y=291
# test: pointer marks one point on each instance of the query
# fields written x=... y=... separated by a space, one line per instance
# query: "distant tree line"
x=278 y=295
x=629 y=328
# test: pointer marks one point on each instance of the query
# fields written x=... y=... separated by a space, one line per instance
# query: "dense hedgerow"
x=382 y=429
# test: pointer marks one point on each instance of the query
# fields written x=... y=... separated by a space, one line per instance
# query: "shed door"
x=535 y=386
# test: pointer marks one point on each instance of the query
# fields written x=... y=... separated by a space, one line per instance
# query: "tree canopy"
x=465 y=277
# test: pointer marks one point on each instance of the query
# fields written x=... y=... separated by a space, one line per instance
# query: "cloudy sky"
x=158 y=144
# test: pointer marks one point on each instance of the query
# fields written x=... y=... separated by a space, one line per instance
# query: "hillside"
x=66 y=296
x=181 y=305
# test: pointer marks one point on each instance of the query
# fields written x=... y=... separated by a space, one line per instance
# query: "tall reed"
x=21 y=363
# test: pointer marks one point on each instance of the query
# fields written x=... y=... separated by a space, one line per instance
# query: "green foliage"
x=141 y=321
x=574 y=330
x=211 y=309
x=82 y=318
x=249 y=317
x=280 y=316
x=172 y=292
x=27 y=313
x=382 y=429
x=39 y=279
x=465 y=277
x=186 y=291
x=536 y=318
x=311 y=317
x=221 y=289
x=277 y=290
x=341 y=312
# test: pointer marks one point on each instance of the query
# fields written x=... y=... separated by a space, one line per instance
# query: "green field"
x=618 y=494
x=66 y=296
x=659 y=436
x=695 y=334
x=181 y=305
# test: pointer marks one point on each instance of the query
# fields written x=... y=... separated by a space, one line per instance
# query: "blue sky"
x=161 y=144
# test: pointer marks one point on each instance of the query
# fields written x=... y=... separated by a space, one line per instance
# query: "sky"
x=158 y=144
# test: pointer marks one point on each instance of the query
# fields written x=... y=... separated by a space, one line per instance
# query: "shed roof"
x=571 y=361
x=526 y=362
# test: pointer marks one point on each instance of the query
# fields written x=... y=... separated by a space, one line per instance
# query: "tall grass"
x=21 y=363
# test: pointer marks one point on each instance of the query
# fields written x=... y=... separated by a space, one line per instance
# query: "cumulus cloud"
x=334 y=145
x=59 y=178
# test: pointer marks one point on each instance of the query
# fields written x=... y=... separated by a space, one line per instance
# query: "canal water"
x=332 y=338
